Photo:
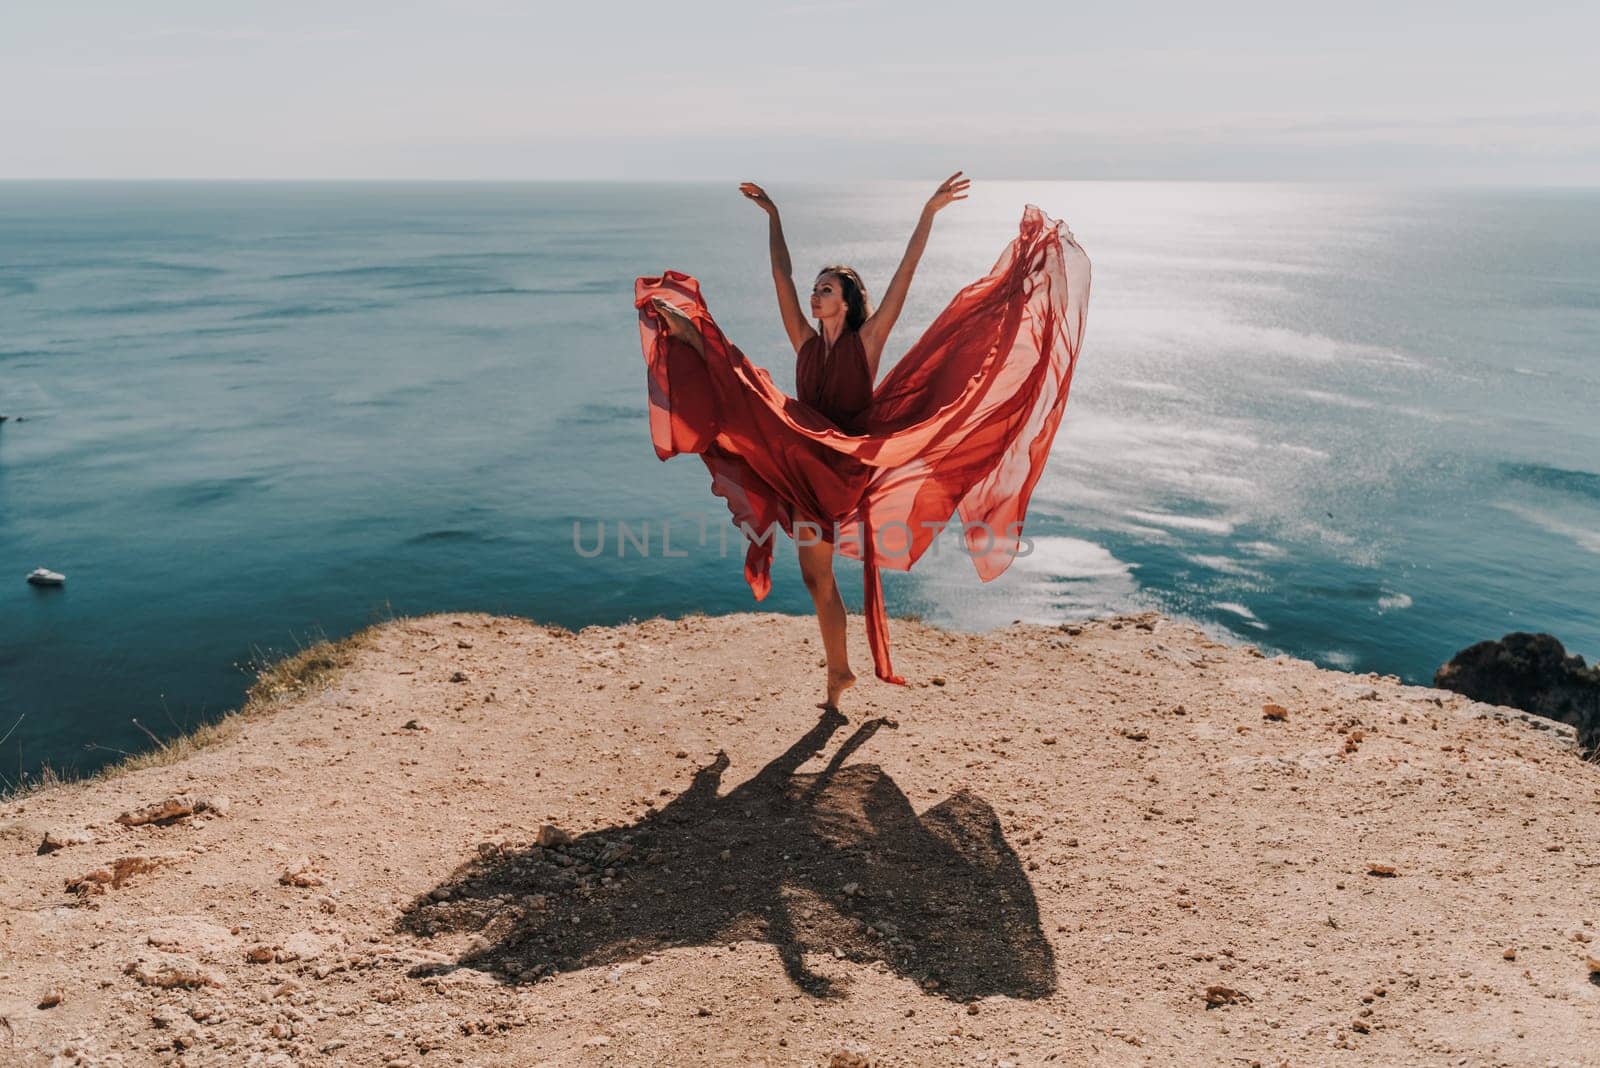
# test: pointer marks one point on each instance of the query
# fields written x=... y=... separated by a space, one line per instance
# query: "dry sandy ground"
x=1060 y=842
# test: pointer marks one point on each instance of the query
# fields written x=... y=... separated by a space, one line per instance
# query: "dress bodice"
x=838 y=383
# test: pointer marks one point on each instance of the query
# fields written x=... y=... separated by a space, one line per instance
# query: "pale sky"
x=715 y=89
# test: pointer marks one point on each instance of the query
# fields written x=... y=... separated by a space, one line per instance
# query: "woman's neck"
x=832 y=330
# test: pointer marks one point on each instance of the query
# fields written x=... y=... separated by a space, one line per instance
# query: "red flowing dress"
x=963 y=423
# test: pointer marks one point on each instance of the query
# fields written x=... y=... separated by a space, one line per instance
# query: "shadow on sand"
x=833 y=862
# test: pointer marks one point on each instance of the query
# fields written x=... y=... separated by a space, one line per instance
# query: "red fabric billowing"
x=962 y=424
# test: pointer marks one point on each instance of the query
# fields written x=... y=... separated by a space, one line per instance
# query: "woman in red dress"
x=963 y=422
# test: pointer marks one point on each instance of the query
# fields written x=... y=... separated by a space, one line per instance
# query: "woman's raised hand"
x=759 y=195
x=952 y=189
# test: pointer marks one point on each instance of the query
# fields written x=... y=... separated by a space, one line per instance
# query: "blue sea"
x=1357 y=425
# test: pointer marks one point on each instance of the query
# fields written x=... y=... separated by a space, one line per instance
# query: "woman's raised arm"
x=795 y=323
x=875 y=331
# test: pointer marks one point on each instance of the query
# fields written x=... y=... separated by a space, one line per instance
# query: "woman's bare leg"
x=816 y=567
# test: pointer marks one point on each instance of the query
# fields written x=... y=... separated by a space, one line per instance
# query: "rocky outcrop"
x=1119 y=841
x=1532 y=672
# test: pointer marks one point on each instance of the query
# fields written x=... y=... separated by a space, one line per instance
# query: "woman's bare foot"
x=679 y=325
x=838 y=683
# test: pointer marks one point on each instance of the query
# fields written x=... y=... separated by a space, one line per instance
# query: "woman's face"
x=827 y=297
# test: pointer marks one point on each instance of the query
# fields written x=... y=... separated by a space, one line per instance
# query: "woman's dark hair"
x=857 y=307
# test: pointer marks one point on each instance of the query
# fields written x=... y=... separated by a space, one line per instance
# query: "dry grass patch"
x=277 y=681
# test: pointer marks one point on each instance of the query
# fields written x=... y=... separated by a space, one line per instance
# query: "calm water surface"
x=1355 y=425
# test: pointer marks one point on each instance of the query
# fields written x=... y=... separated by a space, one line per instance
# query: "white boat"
x=45 y=577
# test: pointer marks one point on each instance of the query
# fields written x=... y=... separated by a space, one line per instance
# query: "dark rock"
x=1534 y=673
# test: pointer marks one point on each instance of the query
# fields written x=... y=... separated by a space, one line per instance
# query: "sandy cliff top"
x=1045 y=850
